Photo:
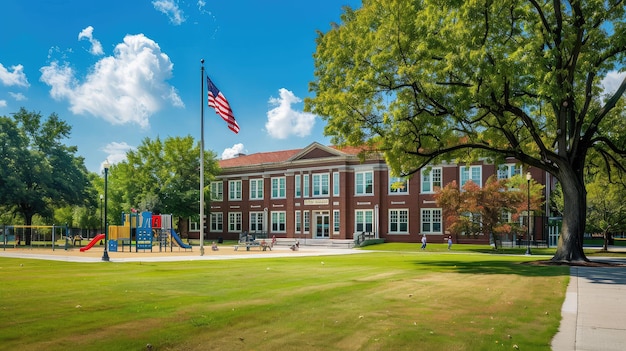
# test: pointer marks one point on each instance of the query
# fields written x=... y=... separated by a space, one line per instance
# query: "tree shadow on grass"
x=496 y=267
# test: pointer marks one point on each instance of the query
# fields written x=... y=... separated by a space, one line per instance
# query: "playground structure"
x=144 y=231
x=37 y=235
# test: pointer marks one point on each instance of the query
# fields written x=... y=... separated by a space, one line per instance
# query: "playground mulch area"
x=225 y=252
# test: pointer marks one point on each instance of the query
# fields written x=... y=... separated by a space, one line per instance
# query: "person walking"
x=424 y=242
x=449 y=243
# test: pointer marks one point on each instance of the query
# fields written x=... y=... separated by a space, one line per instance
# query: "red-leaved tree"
x=474 y=211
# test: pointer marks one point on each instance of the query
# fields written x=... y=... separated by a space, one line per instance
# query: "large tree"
x=163 y=176
x=38 y=171
x=430 y=81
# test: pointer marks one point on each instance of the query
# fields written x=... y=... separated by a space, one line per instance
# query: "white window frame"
x=234 y=190
x=256 y=221
x=216 y=222
x=298 y=185
x=431 y=179
x=217 y=191
x=473 y=173
x=432 y=218
x=508 y=170
x=279 y=188
x=234 y=222
x=336 y=221
x=256 y=189
x=306 y=221
x=278 y=221
x=298 y=222
x=403 y=190
x=305 y=185
x=321 y=184
x=364 y=183
x=362 y=220
x=336 y=184
x=398 y=217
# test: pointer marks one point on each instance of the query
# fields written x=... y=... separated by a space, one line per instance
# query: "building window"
x=307 y=221
x=364 y=220
x=278 y=188
x=508 y=170
x=298 y=185
x=217 y=191
x=298 y=222
x=364 y=183
x=234 y=221
x=256 y=222
x=335 y=183
x=321 y=184
x=217 y=222
x=194 y=226
x=234 y=190
x=431 y=221
x=473 y=173
x=398 y=185
x=431 y=180
x=278 y=222
x=305 y=185
x=399 y=221
x=336 y=221
x=256 y=189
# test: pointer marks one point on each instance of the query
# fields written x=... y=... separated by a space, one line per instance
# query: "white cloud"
x=612 y=81
x=125 y=88
x=116 y=153
x=283 y=121
x=14 y=77
x=18 y=96
x=171 y=10
x=232 y=152
x=3 y=103
x=96 y=47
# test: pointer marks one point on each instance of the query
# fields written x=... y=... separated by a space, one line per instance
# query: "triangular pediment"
x=316 y=150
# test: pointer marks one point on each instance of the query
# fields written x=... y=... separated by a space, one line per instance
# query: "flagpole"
x=202 y=157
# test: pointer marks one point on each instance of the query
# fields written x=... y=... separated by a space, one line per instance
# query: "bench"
x=249 y=244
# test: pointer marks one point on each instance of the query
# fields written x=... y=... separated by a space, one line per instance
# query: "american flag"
x=221 y=106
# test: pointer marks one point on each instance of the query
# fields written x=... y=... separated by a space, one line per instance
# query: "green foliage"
x=161 y=176
x=606 y=209
x=39 y=172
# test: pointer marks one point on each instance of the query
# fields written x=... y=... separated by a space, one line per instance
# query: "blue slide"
x=179 y=241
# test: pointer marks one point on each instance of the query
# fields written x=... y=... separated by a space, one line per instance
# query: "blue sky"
x=122 y=71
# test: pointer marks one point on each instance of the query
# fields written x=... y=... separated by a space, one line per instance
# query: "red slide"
x=92 y=242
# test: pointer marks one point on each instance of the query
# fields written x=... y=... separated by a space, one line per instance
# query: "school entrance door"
x=322 y=225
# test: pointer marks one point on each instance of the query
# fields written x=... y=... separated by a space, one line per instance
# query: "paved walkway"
x=594 y=310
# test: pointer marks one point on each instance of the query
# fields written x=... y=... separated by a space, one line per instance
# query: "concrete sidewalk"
x=594 y=310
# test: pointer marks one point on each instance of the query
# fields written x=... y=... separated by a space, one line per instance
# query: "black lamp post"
x=101 y=218
x=528 y=178
x=105 y=255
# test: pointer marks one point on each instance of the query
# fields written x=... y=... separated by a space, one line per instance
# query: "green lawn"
x=396 y=299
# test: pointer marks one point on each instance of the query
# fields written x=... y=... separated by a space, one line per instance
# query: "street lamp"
x=101 y=225
x=528 y=178
x=105 y=255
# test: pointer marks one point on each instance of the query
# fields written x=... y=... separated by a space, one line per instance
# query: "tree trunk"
x=28 y=232
x=605 y=245
x=570 y=248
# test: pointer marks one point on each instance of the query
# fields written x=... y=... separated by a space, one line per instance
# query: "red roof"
x=258 y=158
x=275 y=157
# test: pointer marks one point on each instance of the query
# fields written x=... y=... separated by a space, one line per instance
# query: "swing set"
x=15 y=236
